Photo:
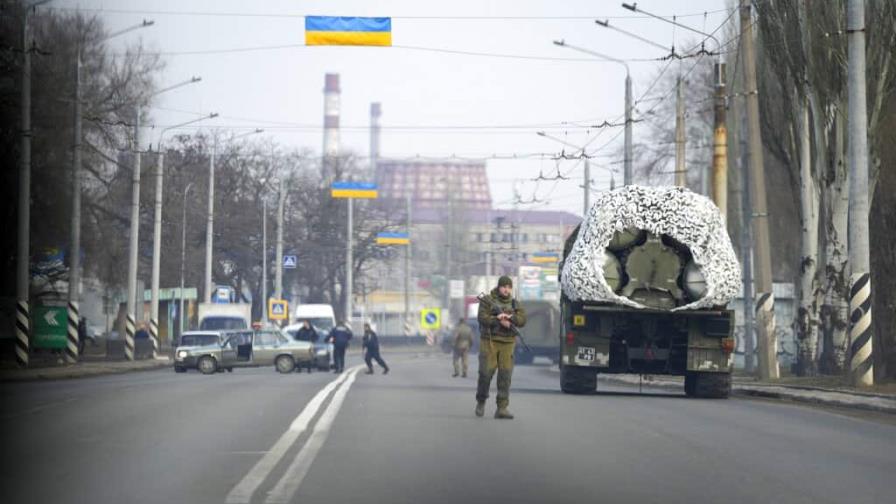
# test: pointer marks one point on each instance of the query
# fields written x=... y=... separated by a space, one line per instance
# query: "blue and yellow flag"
x=335 y=30
x=359 y=190
x=392 y=239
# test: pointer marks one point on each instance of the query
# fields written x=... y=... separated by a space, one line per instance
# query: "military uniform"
x=463 y=340
x=496 y=348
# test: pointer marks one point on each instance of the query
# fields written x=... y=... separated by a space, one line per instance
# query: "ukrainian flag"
x=363 y=190
x=545 y=257
x=392 y=239
x=335 y=30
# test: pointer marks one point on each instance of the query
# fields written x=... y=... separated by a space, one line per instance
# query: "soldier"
x=499 y=314
x=463 y=340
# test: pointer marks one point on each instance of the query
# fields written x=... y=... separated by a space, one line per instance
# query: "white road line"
x=289 y=484
x=242 y=492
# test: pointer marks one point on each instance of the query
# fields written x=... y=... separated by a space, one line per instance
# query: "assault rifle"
x=496 y=310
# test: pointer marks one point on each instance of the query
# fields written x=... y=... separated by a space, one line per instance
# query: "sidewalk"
x=795 y=389
x=42 y=371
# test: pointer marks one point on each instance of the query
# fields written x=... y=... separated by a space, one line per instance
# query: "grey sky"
x=281 y=89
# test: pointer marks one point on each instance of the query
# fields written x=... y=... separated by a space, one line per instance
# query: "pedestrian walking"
x=339 y=336
x=499 y=316
x=82 y=336
x=371 y=344
x=463 y=340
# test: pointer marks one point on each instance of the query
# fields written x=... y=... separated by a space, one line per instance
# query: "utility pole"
x=133 y=243
x=765 y=298
x=680 y=139
x=628 y=176
x=407 y=263
x=156 y=254
x=587 y=186
x=183 y=256
x=860 y=329
x=74 y=268
x=23 y=263
x=210 y=225
x=348 y=263
x=264 y=261
x=278 y=272
x=720 y=143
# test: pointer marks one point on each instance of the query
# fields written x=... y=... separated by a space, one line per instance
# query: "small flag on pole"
x=337 y=30
x=392 y=239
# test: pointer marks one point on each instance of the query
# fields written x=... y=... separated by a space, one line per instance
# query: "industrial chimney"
x=331 y=116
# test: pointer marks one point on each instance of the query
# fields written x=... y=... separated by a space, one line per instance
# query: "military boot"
x=503 y=414
x=480 y=408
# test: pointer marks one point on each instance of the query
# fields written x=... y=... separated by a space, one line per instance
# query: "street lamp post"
x=130 y=322
x=183 y=255
x=157 y=235
x=720 y=130
x=71 y=350
x=627 y=157
x=23 y=249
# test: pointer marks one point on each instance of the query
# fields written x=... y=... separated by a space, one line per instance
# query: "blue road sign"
x=290 y=261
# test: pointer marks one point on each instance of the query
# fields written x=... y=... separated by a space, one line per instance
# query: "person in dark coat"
x=371 y=344
x=82 y=335
x=307 y=333
x=339 y=336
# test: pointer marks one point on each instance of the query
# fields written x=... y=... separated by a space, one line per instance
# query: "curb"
x=780 y=392
x=73 y=373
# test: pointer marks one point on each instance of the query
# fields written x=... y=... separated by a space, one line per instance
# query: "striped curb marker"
x=23 y=325
x=71 y=345
x=154 y=335
x=861 y=364
x=129 y=338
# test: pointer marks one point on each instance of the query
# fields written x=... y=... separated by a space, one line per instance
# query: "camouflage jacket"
x=489 y=327
x=463 y=337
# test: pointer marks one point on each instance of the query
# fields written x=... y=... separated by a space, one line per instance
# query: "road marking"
x=242 y=492
x=289 y=484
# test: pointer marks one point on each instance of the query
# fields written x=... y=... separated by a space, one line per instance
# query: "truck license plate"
x=585 y=354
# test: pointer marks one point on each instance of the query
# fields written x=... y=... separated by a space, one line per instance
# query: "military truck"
x=540 y=332
x=652 y=322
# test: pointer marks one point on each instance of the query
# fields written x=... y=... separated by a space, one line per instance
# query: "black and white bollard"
x=23 y=325
x=861 y=365
x=154 y=335
x=71 y=345
x=129 y=338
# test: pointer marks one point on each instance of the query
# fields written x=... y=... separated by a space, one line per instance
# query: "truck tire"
x=575 y=380
x=707 y=385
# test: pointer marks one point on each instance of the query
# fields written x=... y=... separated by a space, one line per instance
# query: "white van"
x=321 y=316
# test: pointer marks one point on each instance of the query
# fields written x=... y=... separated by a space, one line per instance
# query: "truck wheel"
x=207 y=365
x=285 y=364
x=707 y=385
x=575 y=380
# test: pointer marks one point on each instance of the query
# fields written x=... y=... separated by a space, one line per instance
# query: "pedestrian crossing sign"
x=278 y=309
x=430 y=318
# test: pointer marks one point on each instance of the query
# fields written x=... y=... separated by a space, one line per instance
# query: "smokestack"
x=331 y=115
x=375 y=112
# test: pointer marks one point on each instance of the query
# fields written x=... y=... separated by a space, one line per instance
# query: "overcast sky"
x=435 y=102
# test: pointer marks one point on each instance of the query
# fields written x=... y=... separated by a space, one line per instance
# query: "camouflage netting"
x=690 y=218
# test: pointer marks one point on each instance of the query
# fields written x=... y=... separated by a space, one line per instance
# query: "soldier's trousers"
x=460 y=360
x=495 y=356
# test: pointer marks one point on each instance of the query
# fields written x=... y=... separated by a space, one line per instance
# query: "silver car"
x=247 y=348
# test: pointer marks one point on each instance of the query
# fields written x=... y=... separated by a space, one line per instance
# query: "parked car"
x=322 y=350
x=190 y=347
x=249 y=348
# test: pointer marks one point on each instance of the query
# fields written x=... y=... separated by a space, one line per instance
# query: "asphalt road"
x=411 y=437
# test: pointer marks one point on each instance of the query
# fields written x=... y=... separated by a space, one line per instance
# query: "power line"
x=231 y=14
